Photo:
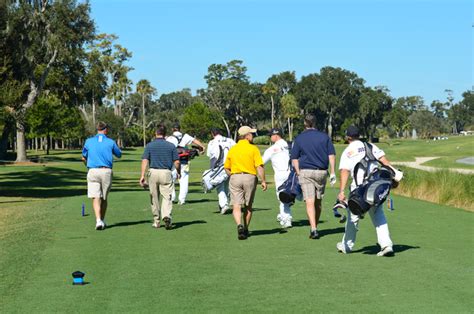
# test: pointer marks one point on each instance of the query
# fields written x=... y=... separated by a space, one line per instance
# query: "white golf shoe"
x=286 y=223
x=224 y=209
x=279 y=218
x=342 y=248
x=386 y=251
x=100 y=225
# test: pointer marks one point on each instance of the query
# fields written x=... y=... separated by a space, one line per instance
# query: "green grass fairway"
x=450 y=150
x=200 y=266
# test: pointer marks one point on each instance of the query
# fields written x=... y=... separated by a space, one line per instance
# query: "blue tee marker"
x=83 y=210
x=78 y=278
x=390 y=204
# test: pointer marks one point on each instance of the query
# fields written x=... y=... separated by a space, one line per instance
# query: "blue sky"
x=413 y=47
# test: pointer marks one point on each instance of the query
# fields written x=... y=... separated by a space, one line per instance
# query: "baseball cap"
x=352 y=131
x=246 y=130
x=274 y=131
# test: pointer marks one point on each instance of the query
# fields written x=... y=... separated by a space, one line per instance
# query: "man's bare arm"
x=342 y=185
x=296 y=165
x=261 y=174
x=143 y=170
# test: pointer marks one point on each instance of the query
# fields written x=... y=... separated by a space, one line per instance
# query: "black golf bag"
x=290 y=190
x=375 y=186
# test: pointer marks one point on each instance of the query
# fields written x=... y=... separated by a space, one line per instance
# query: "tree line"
x=59 y=76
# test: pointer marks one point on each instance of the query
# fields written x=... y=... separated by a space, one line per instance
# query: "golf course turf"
x=200 y=266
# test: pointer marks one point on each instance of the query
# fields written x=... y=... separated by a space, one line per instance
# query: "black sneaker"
x=314 y=235
x=167 y=221
x=241 y=234
x=246 y=232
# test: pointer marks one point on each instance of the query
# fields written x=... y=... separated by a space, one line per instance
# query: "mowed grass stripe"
x=201 y=266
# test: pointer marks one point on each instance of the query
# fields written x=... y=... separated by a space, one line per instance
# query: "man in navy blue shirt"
x=311 y=154
x=97 y=154
x=160 y=156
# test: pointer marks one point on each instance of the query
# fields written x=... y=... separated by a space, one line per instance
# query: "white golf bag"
x=213 y=177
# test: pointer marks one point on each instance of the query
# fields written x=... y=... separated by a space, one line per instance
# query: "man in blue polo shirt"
x=311 y=154
x=160 y=156
x=97 y=154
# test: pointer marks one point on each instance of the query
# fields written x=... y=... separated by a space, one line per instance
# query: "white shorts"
x=99 y=181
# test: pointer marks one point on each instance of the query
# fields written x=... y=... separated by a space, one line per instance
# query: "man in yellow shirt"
x=242 y=164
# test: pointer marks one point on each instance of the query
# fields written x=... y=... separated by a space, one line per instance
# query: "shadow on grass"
x=180 y=224
x=199 y=201
x=128 y=223
x=260 y=209
x=8 y=202
x=266 y=232
x=305 y=222
x=374 y=249
x=326 y=232
x=53 y=182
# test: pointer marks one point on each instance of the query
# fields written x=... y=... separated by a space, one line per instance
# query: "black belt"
x=103 y=168
x=316 y=169
x=243 y=173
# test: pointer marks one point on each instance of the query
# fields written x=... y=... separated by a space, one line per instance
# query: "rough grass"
x=442 y=187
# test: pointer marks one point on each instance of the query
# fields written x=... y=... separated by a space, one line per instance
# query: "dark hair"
x=176 y=126
x=215 y=131
x=309 y=120
x=101 y=125
x=352 y=132
x=161 y=130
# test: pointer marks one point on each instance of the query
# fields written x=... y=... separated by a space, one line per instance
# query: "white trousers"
x=378 y=219
x=222 y=193
x=285 y=209
x=183 y=184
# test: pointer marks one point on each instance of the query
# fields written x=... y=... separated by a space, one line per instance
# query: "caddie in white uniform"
x=217 y=150
x=182 y=140
x=279 y=155
x=354 y=153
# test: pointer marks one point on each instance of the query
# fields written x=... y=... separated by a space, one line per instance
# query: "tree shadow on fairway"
x=180 y=224
x=128 y=223
x=52 y=182
x=374 y=249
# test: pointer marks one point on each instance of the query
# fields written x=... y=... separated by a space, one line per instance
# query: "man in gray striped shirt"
x=160 y=156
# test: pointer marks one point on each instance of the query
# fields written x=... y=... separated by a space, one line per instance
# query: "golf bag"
x=375 y=186
x=186 y=154
x=290 y=190
x=215 y=176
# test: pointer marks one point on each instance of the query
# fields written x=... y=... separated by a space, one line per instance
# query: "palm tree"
x=271 y=89
x=145 y=89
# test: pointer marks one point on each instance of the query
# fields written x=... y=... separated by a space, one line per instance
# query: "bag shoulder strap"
x=365 y=162
x=369 y=154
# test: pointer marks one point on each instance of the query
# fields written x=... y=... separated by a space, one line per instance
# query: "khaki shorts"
x=99 y=181
x=313 y=183
x=242 y=188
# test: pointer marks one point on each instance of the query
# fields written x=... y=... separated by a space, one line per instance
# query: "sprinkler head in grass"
x=78 y=278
